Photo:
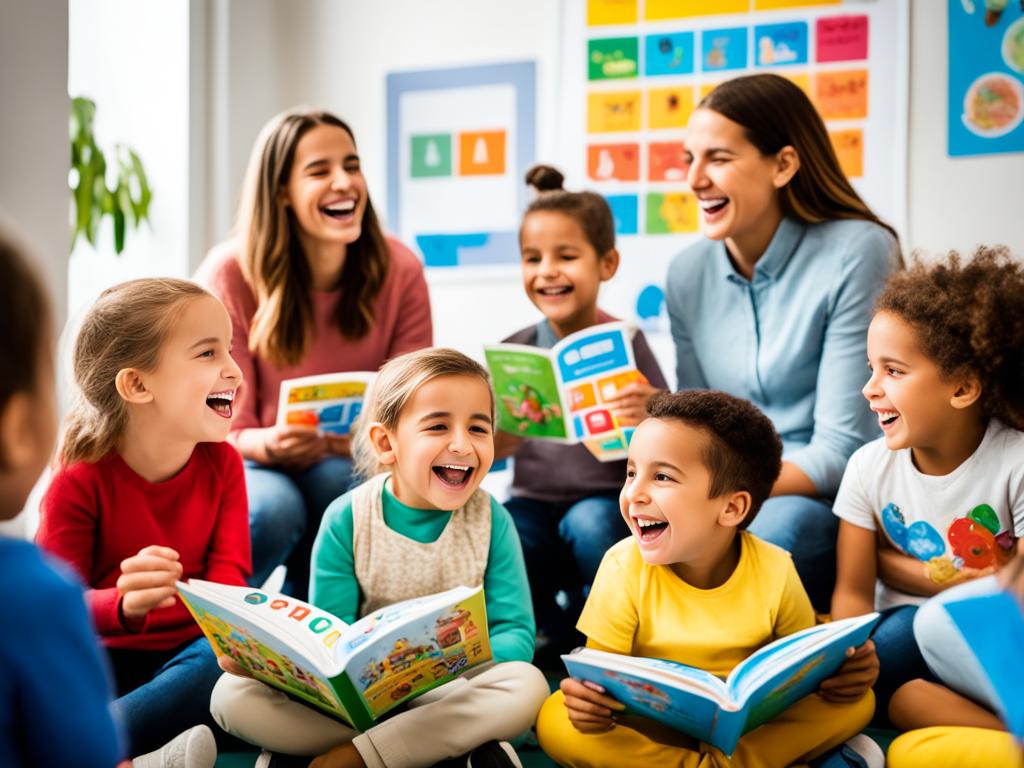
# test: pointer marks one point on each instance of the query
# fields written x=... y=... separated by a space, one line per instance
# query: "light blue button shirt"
x=793 y=340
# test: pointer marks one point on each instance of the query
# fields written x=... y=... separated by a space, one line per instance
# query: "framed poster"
x=459 y=143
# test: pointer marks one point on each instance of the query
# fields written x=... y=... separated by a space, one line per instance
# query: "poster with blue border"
x=459 y=142
x=986 y=80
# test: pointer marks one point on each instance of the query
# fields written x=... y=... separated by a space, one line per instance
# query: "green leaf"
x=118 y=231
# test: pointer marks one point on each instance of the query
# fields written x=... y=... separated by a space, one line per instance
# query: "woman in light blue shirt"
x=774 y=304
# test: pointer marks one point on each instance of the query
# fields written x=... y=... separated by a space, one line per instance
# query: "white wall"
x=954 y=202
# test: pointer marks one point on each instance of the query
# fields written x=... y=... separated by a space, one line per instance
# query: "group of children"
x=145 y=492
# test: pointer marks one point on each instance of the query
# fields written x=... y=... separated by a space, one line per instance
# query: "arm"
x=856 y=551
x=910 y=575
x=229 y=557
x=842 y=420
x=414 y=328
x=793 y=481
x=507 y=592
x=333 y=585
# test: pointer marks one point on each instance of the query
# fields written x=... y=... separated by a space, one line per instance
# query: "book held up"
x=329 y=401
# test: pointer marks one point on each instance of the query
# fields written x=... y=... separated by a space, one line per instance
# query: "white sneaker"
x=194 y=748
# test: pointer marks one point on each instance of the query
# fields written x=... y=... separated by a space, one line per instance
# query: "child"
x=54 y=693
x=691 y=586
x=420 y=525
x=568 y=519
x=946 y=482
x=146 y=492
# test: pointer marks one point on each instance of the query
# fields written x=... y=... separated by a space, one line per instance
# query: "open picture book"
x=355 y=672
x=719 y=712
x=993 y=628
x=560 y=393
x=329 y=401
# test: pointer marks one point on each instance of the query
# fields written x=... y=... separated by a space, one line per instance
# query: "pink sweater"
x=401 y=324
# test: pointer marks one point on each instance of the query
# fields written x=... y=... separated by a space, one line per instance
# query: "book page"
x=529 y=402
x=593 y=365
x=330 y=402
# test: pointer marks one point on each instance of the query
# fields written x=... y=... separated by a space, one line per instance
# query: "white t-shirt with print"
x=968 y=518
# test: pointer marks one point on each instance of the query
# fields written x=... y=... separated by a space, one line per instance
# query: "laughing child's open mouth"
x=453 y=475
x=649 y=529
x=220 y=402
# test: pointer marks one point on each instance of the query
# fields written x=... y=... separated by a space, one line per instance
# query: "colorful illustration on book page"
x=527 y=393
x=330 y=407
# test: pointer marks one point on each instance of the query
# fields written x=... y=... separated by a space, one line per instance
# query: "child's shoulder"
x=527 y=335
x=28 y=577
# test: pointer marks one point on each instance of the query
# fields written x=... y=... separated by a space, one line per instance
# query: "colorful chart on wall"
x=459 y=143
x=986 y=78
x=634 y=71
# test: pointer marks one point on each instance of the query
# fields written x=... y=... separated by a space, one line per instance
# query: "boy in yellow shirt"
x=691 y=586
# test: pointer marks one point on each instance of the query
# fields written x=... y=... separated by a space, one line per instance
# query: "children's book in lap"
x=560 y=393
x=355 y=672
x=329 y=401
x=993 y=628
x=715 y=711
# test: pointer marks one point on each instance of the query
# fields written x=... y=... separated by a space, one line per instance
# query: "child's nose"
x=459 y=443
x=871 y=388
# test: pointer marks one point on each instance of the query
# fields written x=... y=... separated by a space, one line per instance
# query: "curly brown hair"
x=969 y=318
x=744 y=452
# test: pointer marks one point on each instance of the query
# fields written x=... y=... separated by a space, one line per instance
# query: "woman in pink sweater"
x=312 y=286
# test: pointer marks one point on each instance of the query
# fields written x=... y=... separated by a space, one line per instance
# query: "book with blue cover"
x=718 y=711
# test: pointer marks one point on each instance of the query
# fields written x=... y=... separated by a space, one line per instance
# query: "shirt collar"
x=783 y=245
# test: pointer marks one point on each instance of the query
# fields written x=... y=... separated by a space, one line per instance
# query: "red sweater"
x=96 y=515
x=401 y=323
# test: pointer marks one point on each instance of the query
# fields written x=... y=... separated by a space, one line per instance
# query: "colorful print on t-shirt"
x=973 y=541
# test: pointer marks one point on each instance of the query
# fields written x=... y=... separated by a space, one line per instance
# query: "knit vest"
x=391 y=567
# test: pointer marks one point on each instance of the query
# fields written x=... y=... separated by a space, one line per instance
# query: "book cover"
x=330 y=401
x=719 y=711
x=354 y=672
x=561 y=393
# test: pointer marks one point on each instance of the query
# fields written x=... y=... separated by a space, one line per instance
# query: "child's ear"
x=787 y=163
x=966 y=393
x=381 y=442
x=131 y=387
x=608 y=264
x=17 y=433
x=736 y=509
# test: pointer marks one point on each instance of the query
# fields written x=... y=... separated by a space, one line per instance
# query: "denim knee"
x=590 y=527
x=277 y=518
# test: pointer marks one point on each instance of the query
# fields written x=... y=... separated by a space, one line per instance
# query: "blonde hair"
x=126 y=328
x=392 y=389
x=272 y=259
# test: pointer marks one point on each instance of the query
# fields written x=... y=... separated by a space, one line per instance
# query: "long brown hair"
x=272 y=259
x=125 y=328
x=775 y=113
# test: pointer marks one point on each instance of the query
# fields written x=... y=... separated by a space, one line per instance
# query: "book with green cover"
x=354 y=672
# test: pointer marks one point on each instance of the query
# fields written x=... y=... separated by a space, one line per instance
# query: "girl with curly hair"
x=938 y=501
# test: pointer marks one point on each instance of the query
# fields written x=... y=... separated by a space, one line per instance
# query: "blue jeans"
x=807 y=529
x=899 y=658
x=563 y=543
x=162 y=693
x=285 y=509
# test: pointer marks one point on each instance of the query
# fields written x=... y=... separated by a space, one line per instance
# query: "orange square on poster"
x=611 y=12
x=609 y=111
x=582 y=397
x=841 y=95
x=669 y=107
x=666 y=161
x=613 y=161
x=482 y=153
x=658 y=10
x=849 y=147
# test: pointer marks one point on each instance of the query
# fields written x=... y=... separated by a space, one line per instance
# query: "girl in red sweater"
x=147 y=492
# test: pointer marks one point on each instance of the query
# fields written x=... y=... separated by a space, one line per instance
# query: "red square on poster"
x=843 y=38
x=613 y=161
x=667 y=161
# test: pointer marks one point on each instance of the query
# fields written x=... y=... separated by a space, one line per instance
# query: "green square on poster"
x=431 y=155
x=613 y=58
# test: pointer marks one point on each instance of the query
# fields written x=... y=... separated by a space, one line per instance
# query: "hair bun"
x=544 y=178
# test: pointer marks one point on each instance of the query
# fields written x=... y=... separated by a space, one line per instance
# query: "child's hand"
x=339 y=445
x=590 y=709
x=232 y=667
x=147 y=581
x=858 y=673
x=294 y=445
x=629 y=404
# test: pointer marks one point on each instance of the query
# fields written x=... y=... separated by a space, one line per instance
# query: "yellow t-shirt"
x=646 y=610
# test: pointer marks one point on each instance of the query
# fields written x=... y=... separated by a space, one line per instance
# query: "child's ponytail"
x=589 y=209
x=125 y=328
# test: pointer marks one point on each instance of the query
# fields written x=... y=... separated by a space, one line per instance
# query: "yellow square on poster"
x=849 y=147
x=705 y=89
x=601 y=12
x=609 y=111
x=775 y=5
x=669 y=107
x=659 y=10
x=801 y=80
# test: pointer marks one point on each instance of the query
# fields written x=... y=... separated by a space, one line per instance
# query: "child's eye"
x=206 y=353
x=893 y=372
x=480 y=430
x=661 y=477
x=437 y=428
x=352 y=167
x=630 y=474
